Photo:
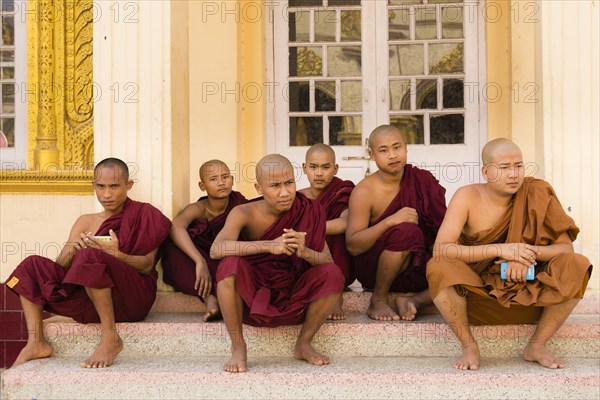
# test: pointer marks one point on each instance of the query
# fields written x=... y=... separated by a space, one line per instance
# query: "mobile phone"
x=102 y=238
x=530 y=271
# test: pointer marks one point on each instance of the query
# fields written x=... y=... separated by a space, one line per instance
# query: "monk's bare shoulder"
x=469 y=195
x=87 y=223
x=306 y=192
x=364 y=189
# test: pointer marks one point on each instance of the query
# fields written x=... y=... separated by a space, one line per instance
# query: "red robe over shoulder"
x=277 y=289
x=179 y=270
x=419 y=190
x=140 y=228
x=334 y=198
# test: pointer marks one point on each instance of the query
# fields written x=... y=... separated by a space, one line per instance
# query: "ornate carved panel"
x=59 y=100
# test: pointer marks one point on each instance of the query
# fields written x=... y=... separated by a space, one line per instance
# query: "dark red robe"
x=420 y=190
x=334 y=198
x=179 y=270
x=140 y=228
x=277 y=289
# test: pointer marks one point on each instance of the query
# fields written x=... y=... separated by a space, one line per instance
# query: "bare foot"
x=469 y=359
x=304 y=351
x=337 y=313
x=381 y=311
x=212 y=309
x=537 y=352
x=105 y=353
x=407 y=308
x=238 y=361
x=33 y=351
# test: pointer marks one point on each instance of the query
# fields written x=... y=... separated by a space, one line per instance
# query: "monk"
x=186 y=258
x=333 y=194
x=276 y=268
x=394 y=216
x=511 y=219
x=105 y=272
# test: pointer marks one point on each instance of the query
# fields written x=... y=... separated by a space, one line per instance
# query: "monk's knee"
x=227 y=283
x=331 y=273
x=407 y=233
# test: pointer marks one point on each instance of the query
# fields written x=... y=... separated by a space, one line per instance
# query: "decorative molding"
x=59 y=101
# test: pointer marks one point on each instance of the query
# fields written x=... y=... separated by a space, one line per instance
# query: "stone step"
x=185 y=377
x=166 y=334
x=354 y=301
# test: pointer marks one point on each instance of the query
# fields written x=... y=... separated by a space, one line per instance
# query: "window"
x=13 y=108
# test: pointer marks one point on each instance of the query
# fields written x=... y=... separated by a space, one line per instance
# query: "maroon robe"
x=179 y=270
x=421 y=191
x=140 y=228
x=334 y=198
x=277 y=289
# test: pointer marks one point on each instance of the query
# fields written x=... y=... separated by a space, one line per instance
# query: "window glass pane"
x=344 y=2
x=406 y=59
x=453 y=93
x=7 y=132
x=351 y=95
x=8 y=73
x=305 y=3
x=345 y=130
x=351 y=26
x=306 y=131
x=306 y=61
x=325 y=25
x=445 y=58
x=298 y=95
x=444 y=1
x=452 y=22
x=7 y=56
x=325 y=95
x=8 y=98
x=8 y=30
x=426 y=94
x=411 y=127
x=8 y=5
x=344 y=61
x=447 y=129
x=299 y=26
x=399 y=24
x=425 y=23
x=403 y=2
x=400 y=95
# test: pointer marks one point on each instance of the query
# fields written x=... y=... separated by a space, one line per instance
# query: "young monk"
x=186 y=258
x=333 y=194
x=276 y=267
x=514 y=219
x=96 y=280
x=394 y=215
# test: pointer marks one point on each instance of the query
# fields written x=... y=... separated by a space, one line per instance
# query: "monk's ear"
x=484 y=171
x=129 y=184
x=304 y=167
x=202 y=186
x=335 y=169
x=258 y=189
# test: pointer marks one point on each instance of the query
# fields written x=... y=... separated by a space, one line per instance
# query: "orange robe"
x=535 y=217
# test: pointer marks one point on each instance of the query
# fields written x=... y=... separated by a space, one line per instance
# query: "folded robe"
x=277 y=289
x=140 y=228
x=419 y=190
x=334 y=198
x=535 y=217
x=179 y=270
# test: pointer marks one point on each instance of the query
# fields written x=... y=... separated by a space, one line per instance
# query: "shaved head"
x=495 y=146
x=320 y=148
x=272 y=162
x=211 y=166
x=113 y=163
x=383 y=130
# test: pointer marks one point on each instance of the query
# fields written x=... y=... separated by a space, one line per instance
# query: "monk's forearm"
x=468 y=254
x=184 y=242
x=142 y=264
x=362 y=241
x=546 y=253
x=316 y=258
x=336 y=226
x=226 y=248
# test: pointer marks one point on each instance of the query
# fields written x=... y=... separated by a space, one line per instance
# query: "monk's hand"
x=203 y=282
x=278 y=246
x=516 y=271
x=521 y=252
x=108 y=246
x=405 y=214
x=295 y=240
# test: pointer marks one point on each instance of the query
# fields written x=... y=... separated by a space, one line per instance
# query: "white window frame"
x=16 y=157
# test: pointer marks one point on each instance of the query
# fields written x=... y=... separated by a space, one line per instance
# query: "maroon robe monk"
x=179 y=269
x=421 y=191
x=277 y=289
x=140 y=229
x=334 y=198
